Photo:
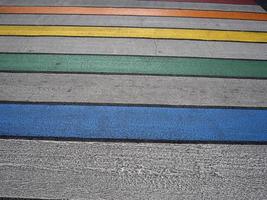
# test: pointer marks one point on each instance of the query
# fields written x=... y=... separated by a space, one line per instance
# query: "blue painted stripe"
x=124 y=122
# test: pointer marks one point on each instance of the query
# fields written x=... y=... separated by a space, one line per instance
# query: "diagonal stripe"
x=140 y=123
x=120 y=32
x=133 y=65
x=129 y=89
x=133 y=12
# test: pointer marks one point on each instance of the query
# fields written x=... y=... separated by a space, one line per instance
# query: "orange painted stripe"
x=242 y=2
x=134 y=12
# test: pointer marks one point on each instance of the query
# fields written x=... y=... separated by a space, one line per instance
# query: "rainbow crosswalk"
x=163 y=83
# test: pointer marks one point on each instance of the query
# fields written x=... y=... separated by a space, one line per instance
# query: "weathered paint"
x=131 y=46
x=122 y=122
x=133 y=65
x=133 y=89
x=122 y=32
x=211 y=14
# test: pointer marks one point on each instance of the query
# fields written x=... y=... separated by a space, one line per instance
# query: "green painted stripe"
x=133 y=65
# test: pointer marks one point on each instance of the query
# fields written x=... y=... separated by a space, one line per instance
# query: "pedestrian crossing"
x=133 y=99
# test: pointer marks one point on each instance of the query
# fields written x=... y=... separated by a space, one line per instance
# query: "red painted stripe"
x=244 y=2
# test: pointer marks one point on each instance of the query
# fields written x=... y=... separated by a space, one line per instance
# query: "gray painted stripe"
x=98 y=170
x=128 y=89
x=134 y=47
x=167 y=22
x=134 y=3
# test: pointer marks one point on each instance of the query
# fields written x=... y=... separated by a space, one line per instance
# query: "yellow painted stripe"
x=123 y=32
